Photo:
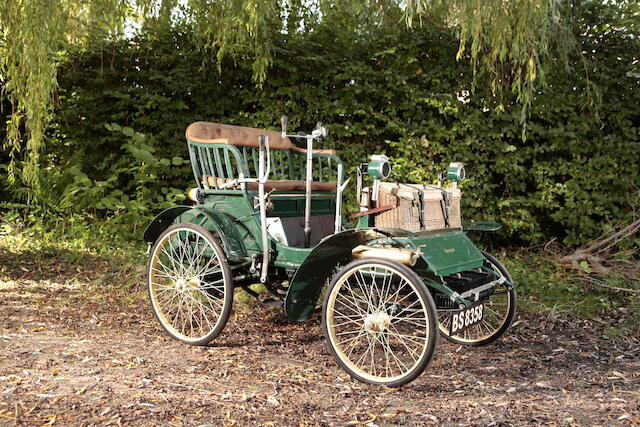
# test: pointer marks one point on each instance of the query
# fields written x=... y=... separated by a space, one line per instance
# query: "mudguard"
x=486 y=226
x=217 y=222
x=161 y=222
x=318 y=267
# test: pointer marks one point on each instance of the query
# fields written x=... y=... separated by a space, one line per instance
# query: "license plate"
x=466 y=318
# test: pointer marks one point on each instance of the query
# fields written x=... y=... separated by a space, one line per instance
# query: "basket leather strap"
x=421 y=216
x=444 y=203
x=422 y=205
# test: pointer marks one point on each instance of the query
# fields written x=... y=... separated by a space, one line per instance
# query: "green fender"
x=217 y=222
x=161 y=222
x=486 y=226
x=320 y=265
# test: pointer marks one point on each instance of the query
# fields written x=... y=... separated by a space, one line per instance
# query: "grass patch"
x=87 y=262
x=552 y=290
x=76 y=238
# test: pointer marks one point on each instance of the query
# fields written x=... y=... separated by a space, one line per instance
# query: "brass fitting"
x=403 y=256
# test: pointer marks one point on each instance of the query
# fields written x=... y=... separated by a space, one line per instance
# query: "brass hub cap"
x=183 y=285
x=377 y=322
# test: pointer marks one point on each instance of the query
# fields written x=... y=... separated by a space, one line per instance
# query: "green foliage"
x=28 y=76
x=236 y=28
x=389 y=91
x=584 y=265
x=32 y=34
x=512 y=42
x=130 y=187
x=82 y=235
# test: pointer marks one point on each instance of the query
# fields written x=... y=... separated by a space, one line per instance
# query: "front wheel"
x=190 y=285
x=499 y=311
x=380 y=322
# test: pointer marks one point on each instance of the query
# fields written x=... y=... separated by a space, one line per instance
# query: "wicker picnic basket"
x=418 y=207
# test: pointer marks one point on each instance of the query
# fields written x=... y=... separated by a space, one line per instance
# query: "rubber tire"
x=228 y=283
x=431 y=313
x=510 y=315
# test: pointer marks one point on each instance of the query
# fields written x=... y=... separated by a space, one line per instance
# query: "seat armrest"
x=321 y=151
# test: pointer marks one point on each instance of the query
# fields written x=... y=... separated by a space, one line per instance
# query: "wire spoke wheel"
x=499 y=311
x=380 y=322
x=190 y=285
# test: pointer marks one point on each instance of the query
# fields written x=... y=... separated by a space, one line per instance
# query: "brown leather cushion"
x=294 y=185
x=278 y=185
x=235 y=135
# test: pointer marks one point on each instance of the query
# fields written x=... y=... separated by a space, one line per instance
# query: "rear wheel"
x=499 y=311
x=190 y=285
x=380 y=322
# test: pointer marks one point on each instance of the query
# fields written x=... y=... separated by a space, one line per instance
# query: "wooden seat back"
x=217 y=133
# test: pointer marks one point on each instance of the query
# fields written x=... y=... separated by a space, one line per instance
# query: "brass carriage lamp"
x=378 y=168
x=455 y=173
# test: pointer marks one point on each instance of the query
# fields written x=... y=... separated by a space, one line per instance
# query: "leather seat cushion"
x=294 y=185
x=278 y=185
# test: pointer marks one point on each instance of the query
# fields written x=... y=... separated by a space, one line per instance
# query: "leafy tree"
x=391 y=90
x=510 y=41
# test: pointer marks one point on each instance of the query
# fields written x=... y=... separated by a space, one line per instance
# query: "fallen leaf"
x=273 y=400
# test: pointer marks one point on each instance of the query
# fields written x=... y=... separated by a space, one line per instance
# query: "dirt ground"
x=80 y=347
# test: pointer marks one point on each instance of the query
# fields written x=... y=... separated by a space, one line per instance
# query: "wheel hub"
x=181 y=284
x=377 y=322
x=184 y=284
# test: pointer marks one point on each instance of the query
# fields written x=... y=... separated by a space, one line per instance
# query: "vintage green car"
x=266 y=211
